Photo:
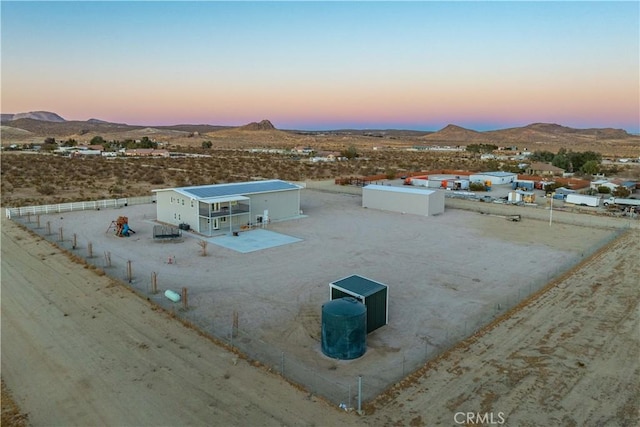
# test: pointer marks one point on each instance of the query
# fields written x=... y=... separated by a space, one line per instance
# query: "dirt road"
x=79 y=350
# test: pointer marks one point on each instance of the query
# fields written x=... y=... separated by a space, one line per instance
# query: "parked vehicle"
x=623 y=203
x=583 y=200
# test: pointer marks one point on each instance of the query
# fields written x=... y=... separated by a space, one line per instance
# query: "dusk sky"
x=326 y=65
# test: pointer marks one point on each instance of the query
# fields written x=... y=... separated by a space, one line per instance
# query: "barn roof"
x=399 y=189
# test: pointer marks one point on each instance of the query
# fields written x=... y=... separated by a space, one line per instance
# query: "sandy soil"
x=79 y=350
x=447 y=275
x=570 y=357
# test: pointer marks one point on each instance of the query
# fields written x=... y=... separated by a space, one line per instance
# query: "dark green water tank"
x=344 y=328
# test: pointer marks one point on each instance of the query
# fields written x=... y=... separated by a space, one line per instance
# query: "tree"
x=70 y=143
x=97 y=140
x=579 y=159
x=621 y=191
x=603 y=189
x=49 y=144
x=477 y=186
x=542 y=156
x=207 y=144
x=561 y=160
x=145 y=142
x=591 y=167
x=350 y=152
x=481 y=148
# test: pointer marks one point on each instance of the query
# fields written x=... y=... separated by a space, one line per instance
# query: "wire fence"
x=222 y=323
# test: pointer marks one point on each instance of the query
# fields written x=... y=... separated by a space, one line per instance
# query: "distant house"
x=305 y=151
x=613 y=184
x=543 y=169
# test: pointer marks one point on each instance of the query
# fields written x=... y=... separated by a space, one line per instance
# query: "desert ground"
x=56 y=340
x=447 y=275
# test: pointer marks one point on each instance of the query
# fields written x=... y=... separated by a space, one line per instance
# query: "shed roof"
x=398 y=189
x=234 y=189
x=497 y=173
x=359 y=285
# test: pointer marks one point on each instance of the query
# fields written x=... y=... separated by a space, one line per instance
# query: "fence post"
x=90 y=250
x=48 y=228
x=129 y=270
x=154 y=283
x=359 y=394
x=185 y=304
x=60 y=235
x=234 y=328
x=107 y=259
x=282 y=364
x=38 y=220
x=75 y=241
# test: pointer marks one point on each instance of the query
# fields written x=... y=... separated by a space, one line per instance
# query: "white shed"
x=495 y=178
x=402 y=199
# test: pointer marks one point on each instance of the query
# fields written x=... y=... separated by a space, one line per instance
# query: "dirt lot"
x=554 y=354
x=570 y=357
x=78 y=349
x=447 y=276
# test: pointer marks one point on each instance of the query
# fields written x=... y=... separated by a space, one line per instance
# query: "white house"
x=220 y=208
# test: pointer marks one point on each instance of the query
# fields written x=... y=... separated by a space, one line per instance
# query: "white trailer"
x=622 y=202
x=583 y=200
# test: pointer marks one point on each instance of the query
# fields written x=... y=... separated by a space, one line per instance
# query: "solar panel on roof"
x=240 y=188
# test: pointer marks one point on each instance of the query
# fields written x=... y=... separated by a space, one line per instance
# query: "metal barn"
x=496 y=178
x=402 y=199
x=374 y=295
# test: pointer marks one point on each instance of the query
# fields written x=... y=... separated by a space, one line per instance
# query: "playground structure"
x=121 y=227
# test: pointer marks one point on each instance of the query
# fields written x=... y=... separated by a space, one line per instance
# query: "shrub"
x=46 y=189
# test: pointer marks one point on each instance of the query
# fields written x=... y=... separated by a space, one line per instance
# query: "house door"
x=216 y=224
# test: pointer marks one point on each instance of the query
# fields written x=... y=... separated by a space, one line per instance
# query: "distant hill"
x=530 y=134
x=37 y=125
x=550 y=132
x=46 y=116
x=457 y=134
x=263 y=125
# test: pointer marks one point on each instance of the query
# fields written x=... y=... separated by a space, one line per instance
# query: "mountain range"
x=38 y=124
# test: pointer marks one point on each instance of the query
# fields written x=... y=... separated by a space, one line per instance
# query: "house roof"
x=233 y=189
x=359 y=285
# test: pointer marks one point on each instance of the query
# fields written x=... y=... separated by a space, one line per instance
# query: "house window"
x=175 y=216
x=191 y=203
x=182 y=202
x=172 y=200
x=223 y=219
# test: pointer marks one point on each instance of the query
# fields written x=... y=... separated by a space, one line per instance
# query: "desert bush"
x=46 y=189
x=477 y=186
